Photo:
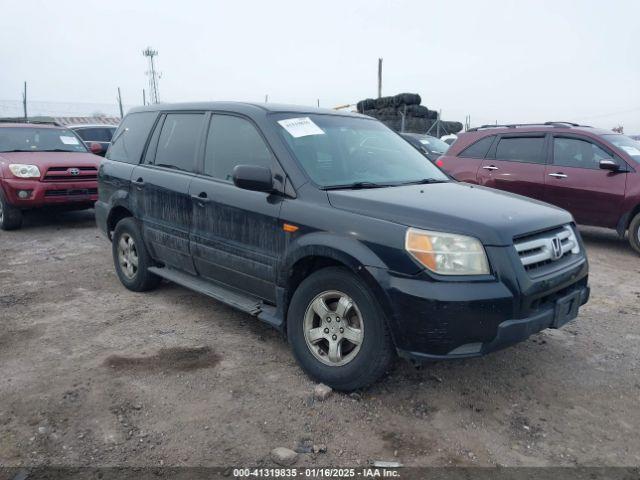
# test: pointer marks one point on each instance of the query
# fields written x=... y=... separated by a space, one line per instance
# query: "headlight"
x=24 y=171
x=447 y=253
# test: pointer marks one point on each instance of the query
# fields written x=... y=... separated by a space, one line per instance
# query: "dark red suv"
x=591 y=173
x=43 y=166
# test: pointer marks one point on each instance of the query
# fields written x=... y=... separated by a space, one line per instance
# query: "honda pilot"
x=332 y=228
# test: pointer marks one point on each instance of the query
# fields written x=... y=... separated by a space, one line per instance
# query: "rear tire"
x=10 y=216
x=131 y=258
x=634 y=233
x=363 y=351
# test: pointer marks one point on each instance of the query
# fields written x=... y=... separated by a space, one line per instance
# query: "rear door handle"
x=201 y=198
x=490 y=167
x=558 y=175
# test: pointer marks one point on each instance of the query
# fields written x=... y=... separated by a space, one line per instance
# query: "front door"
x=162 y=188
x=516 y=164
x=575 y=182
x=236 y=237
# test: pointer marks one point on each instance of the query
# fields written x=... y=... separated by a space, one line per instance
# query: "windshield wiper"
x=61 y=150
x=424 y=181
x=356 y=186
x=17 y=150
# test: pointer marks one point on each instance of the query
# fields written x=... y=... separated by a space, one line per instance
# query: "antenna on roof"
x=120 y=103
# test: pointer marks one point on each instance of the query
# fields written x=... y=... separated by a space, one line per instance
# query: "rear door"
x=575 y=182
x=464 y=166
x=236 y=238
x=161 y=186
x=516 y=163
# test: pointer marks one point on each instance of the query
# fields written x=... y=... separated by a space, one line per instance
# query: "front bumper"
x=432 y=319
x=80 y=193
x=514 y=331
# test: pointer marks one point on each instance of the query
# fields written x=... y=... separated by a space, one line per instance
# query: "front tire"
x=10 y=216
x=131 y=258
x=337 y=330
x=634 y=233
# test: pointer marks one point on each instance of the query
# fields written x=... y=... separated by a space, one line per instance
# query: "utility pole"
x=120 y=103
x=379 y=77
x=24 y=102
x=318 y=103
x=144 y=97
x=266 y=98
x=154 y=76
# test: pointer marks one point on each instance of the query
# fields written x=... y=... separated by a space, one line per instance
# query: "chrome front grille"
x=70 y=174
x=543 y=251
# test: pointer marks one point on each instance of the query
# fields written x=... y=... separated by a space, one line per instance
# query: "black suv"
x=332 y=228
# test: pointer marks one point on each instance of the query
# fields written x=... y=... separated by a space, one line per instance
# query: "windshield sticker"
x=630 y=150
x=69 y=140
x=300 y=127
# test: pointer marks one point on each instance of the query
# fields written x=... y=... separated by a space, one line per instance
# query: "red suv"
x=43 y=165
x=591 y=173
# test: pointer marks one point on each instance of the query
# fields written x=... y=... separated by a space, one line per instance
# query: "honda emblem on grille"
x=556 y=248
x=74 y=171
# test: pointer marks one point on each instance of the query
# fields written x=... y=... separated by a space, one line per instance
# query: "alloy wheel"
x=127 y=256
x=333 y=328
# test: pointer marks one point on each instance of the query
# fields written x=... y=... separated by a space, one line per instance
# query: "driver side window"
x=233 y=141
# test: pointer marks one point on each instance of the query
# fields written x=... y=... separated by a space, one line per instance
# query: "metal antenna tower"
x=154 y=76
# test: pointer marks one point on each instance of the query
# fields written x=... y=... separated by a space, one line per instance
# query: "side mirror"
x=253 y=177
x=95 y=148
x=610 y=165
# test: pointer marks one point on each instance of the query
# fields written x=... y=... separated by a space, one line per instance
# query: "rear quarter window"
x=129 y=140
x=521 y=149
x=478 y=149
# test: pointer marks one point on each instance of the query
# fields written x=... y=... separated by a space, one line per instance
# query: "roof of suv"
x=245 y=107
x=537 y=127
x=80 y=126
x=472 y=135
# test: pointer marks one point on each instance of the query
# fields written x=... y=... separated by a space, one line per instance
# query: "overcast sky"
x=510 y=61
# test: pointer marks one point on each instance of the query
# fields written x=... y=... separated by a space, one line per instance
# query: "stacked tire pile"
x=417 y=118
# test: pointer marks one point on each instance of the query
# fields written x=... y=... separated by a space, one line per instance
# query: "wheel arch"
x=626 y=219
x=117 y=213
x=324 y=251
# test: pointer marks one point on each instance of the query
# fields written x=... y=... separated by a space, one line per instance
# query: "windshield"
x=337 y=151
x=434 y=144
x=33 y=139
x=628 y=145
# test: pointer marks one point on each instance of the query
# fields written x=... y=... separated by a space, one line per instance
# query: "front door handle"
x=201 y=198
x=490 y=167
x=558 y=175
x=139 y=182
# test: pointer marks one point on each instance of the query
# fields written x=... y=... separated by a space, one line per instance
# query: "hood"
x=492 y=216
x=45 y=160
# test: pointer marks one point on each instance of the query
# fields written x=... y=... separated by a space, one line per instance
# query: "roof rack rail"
x=518 y=125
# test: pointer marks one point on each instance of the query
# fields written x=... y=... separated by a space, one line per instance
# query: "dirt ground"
x=92 y=374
